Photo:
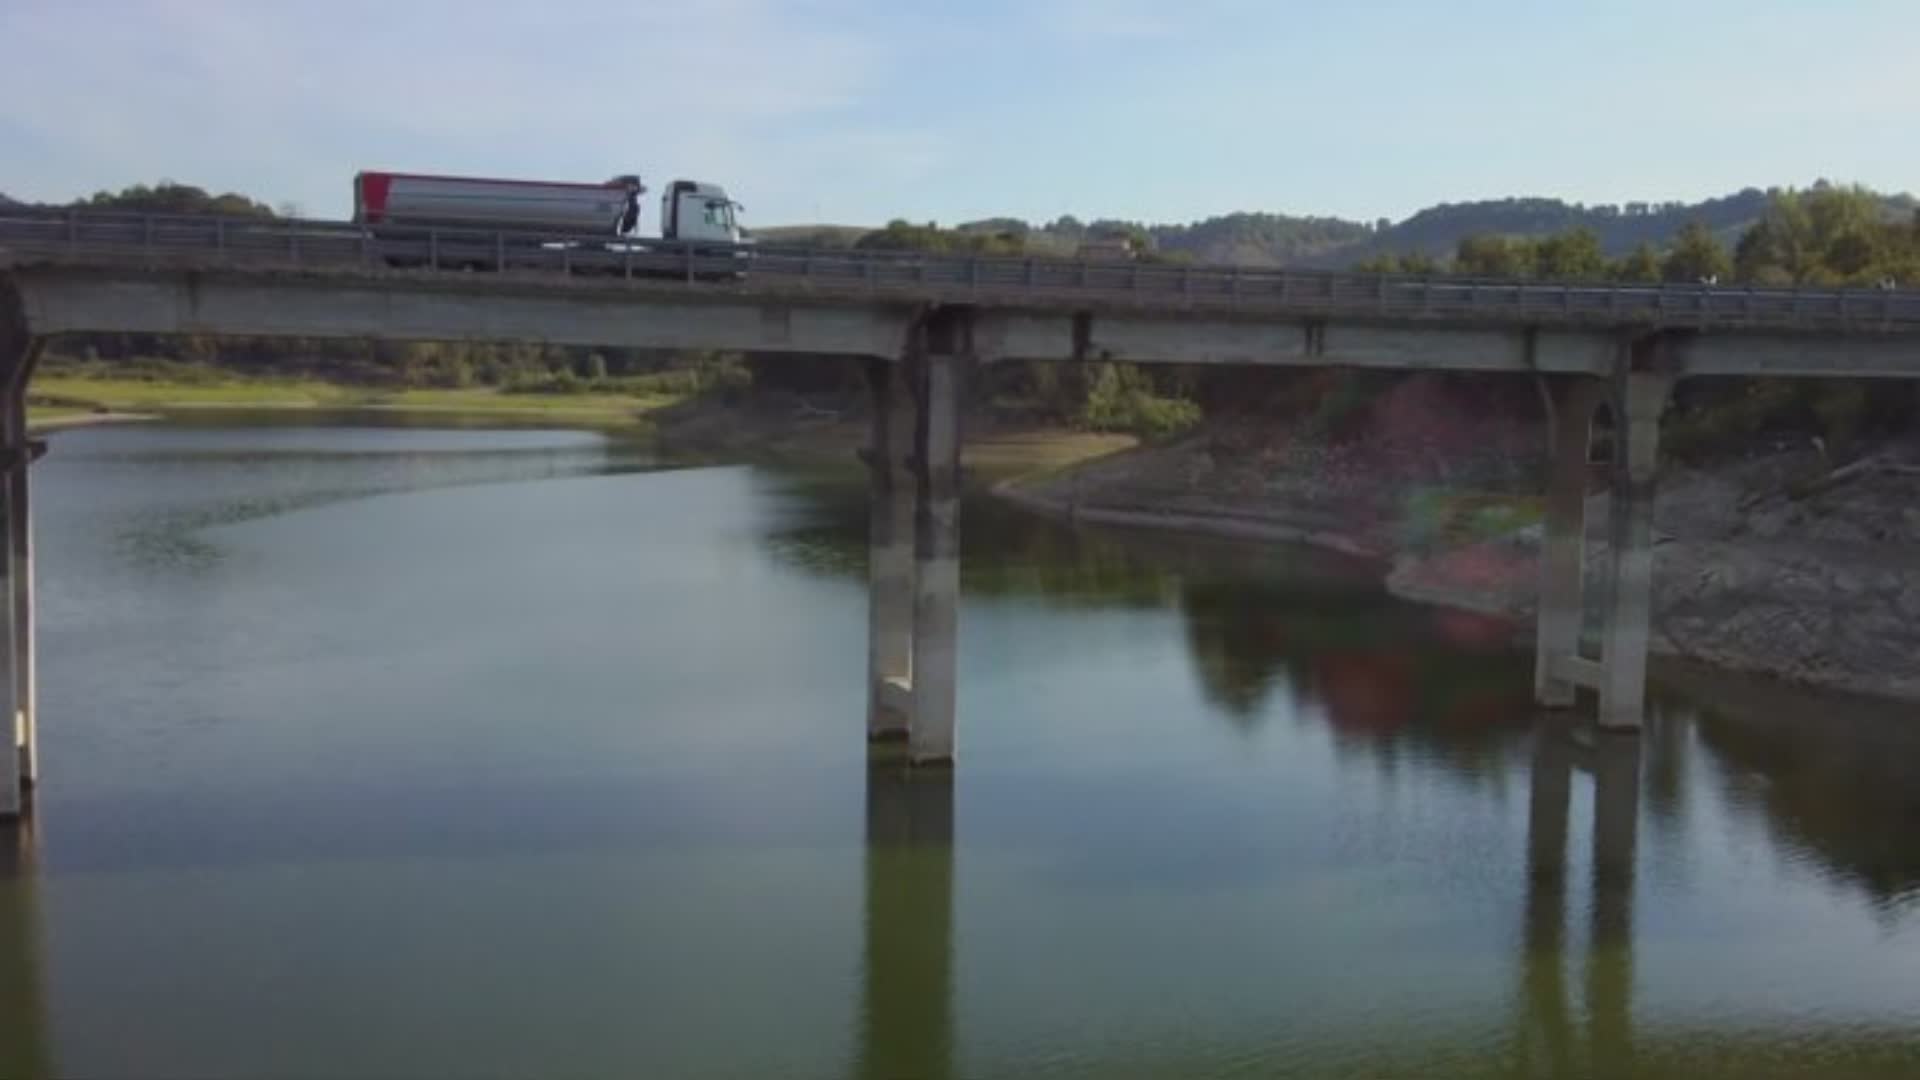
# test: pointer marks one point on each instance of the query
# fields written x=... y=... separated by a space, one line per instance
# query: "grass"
x=41 y=415
x=57 y=396
x=1032 y=457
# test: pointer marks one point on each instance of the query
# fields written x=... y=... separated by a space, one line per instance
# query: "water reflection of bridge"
x=1573 y=991
x=907 y=1016
x=1827 y=778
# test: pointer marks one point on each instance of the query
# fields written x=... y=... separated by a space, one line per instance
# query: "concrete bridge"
x=921 y=323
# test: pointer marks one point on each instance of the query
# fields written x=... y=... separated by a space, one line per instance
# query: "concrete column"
x=20 y=574
x=1639 y=400
x=890 y=530
x=18 y=760
x=1563 y=539
x=906 y=1021
x=936 y=553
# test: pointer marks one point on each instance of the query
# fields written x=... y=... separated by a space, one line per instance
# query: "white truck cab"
x=697 y=211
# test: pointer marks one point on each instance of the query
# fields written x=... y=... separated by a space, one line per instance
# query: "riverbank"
x=1776 y=564
x=57 y=400
x=830 y=430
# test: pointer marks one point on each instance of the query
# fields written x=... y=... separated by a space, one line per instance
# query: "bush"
x=1121 y=398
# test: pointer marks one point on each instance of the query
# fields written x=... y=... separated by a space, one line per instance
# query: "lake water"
x=388 y=752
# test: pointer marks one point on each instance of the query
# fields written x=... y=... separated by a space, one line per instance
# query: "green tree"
x=1574 y=254
x=1641 y=264
x=167 y=197
x=1696 y=256
x=1488 y=255
x=1419 y=262
x=1760 y=258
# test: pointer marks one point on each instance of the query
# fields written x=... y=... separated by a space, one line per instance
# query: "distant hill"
x=1264 y=239
x=1261 y=239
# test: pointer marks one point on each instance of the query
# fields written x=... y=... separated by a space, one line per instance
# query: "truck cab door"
x=703 y=217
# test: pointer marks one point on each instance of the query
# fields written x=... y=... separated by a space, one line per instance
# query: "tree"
x=167 y=197
x=1573 y=254
x=1486 y=255
x=1758 y=257
x=1639 y=265
x=1697 y=255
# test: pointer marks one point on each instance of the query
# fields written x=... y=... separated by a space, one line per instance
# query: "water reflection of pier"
x=23 y=1046
x=1549 y=1040
x=906 y=1013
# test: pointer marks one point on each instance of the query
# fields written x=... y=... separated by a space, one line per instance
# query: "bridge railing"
x=146 y=239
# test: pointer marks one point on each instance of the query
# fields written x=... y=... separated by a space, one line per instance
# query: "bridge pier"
x=19 y=757
x=1638 y=401
x=1635 y=400
x=890 y=577
x=914 y=541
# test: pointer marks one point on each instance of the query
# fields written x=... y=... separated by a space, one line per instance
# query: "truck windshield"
x=720 y=214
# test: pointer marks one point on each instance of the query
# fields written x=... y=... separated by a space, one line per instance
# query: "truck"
x=540 y=213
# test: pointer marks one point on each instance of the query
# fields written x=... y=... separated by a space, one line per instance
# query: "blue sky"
x=832 y=110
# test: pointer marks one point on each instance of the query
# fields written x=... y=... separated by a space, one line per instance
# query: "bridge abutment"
x=1635 y=401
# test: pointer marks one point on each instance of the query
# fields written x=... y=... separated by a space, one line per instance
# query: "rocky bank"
x=1780 y=563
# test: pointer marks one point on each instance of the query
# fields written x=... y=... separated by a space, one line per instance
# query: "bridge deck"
x=130 y=241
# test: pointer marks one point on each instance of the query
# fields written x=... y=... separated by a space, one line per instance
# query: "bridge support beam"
x=19 y=757
x=890 y=563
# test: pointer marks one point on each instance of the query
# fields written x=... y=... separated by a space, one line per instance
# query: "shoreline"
x=1790 y=610
x=1013 y=490
x=472 y=415
x=86 y=419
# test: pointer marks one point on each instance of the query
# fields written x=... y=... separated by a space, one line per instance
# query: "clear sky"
x=857 y=112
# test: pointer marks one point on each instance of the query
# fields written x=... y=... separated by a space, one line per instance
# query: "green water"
x=385 y=752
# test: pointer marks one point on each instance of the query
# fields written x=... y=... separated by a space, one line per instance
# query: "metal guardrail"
x=148 y=239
